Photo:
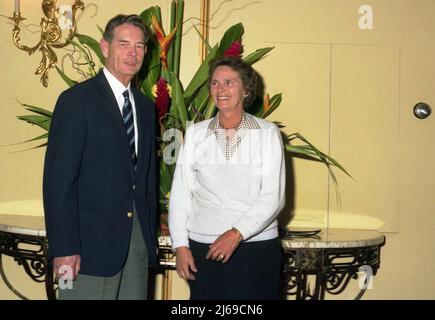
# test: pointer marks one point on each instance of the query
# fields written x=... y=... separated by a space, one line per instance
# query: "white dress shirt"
x=118 y=89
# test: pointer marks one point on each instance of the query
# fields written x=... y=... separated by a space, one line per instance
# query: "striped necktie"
x=127 y=115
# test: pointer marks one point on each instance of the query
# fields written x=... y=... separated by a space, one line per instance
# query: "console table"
x=331 y=258
x=23 y=238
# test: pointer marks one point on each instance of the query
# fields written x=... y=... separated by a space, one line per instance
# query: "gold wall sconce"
x=54 y=21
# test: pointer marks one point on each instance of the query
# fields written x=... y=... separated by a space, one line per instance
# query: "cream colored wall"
x=351 y=92
x=315 y=33
x=21 y=171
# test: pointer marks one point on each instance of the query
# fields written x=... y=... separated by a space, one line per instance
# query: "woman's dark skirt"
x=252 y=273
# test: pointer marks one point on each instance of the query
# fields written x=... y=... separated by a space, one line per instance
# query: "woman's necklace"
x=231 y=138
x=230 y=132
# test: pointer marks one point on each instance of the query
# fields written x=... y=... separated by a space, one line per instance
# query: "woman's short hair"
x=246 y=72
x=120 y=19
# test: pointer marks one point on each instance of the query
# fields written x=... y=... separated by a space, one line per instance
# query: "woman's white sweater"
x=211 y=194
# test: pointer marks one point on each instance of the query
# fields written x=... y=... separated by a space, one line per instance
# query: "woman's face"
x=227 y=89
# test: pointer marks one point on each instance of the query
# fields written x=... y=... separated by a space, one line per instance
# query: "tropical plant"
x=177 y=105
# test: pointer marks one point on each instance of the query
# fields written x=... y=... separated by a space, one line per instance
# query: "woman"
x=227 y=191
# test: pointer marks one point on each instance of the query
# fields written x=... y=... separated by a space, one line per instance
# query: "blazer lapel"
x=110 y=108
x=142 y=135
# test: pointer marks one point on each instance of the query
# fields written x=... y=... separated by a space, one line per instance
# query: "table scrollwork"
x=331 y=261
x=332 y=257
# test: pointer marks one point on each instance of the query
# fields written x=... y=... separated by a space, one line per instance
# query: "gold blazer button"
x=130 y=214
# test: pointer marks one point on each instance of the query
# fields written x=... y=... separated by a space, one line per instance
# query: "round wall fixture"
x=422 y=110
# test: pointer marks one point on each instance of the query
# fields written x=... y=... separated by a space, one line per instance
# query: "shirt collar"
x=247 y=123
x=117 y=87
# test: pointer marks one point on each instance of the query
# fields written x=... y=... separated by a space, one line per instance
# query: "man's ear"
x=104 y=46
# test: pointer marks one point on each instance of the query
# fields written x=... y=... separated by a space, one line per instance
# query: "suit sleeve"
x=66 y=142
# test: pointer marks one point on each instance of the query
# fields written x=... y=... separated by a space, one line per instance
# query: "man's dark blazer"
x=89 y=182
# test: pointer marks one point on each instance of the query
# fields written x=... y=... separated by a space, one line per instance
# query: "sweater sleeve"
x=180 y=200
x=272 y=197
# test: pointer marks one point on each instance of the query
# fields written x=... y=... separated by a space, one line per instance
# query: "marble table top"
x=21 y=224
x=28 y=219
x=329 y=238
x=335 y=238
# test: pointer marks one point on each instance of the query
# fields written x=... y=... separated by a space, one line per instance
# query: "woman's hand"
x=185 y=263
x=223 y=247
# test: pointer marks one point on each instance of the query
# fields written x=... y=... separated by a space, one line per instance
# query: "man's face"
x=124 y=55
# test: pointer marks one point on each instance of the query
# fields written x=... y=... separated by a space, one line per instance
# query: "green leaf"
x=101 y=30
x=201 y=76
x=165 y=178
x=203 y=39
x=210 y=110
x=151 y=66
x=256 y=109
x=311 y=150
x=232 y=34
x=87 y=55
x=40 y=121
x=148 y=13
x=43 y=136
x=65 y=78
x=172 y=25
x=92 y=44
x=304 y=150
x=199 y=103
x=274 y=103
x=178 y=106
x=165 y=183
x=178 y=35
x=152 y=74
x=37 y=110
x=36 y=147
x=257 y=55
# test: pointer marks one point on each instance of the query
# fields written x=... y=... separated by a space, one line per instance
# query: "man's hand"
x=61 y=265
x=185 y=263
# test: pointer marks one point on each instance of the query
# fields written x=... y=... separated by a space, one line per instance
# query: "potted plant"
x=177 y=104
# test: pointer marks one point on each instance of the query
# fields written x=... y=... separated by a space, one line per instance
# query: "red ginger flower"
x=162 y=98
x=234 y=50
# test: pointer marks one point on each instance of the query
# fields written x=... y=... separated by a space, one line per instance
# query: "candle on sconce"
x=17 y=6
